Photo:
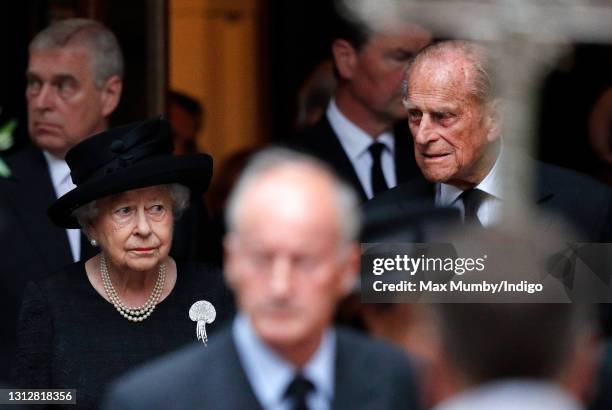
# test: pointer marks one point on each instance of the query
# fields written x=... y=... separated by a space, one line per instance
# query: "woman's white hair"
x=180 y=201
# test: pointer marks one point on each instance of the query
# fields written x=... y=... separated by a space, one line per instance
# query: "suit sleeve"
x=32 y=367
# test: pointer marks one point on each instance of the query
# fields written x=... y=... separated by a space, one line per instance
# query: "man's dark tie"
x=472 y=199
x=379 y=184
x=297 y=391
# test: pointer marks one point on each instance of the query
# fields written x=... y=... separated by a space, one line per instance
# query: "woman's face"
x=134 y=228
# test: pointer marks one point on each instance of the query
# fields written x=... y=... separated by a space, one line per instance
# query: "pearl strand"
x=136 y=314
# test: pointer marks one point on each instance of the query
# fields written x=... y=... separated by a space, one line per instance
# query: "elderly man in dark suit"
x=291 y=255
x=454 y=116
x=74 y=83
x=358 y=136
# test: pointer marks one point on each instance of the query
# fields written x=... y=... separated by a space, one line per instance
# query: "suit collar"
x=349 y=374
x=269 y=375
x=58 y=170
x=232 y=374
x=327 y=146
x=492 y=184
x=522 y=393
x=353 y=139
x=542 y=192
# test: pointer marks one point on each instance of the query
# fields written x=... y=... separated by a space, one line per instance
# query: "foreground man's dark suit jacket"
x=322 y=142
x=369 y=375
x=31 y=246
x=580 y=200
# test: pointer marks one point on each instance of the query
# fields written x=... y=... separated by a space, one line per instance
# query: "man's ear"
x=229 y=252
x=493 y=119
x=111 y=94
x=345 y=58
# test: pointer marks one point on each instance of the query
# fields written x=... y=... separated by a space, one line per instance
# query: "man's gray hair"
x=180 y=201
x=271 y=159
x=477 y=54
x=100 y=42
x=488 y=342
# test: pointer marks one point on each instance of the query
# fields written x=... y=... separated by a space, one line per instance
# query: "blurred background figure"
x=314 y=95
x=216 y=200
x=600 y=135
x=356 y=136
x=186 y=115
x=514 y=356
x=289 y=262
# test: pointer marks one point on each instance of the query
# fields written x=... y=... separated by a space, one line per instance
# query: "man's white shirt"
x=269 y=375
x=489 y=212
x=62 y=183
x=356 y=142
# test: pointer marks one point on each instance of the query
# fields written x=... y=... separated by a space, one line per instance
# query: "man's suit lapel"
x=353 y=388
x=244 y=397
x=332 y=151
x=30 y=194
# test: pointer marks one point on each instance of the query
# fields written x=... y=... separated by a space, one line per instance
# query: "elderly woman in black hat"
x=83 y=326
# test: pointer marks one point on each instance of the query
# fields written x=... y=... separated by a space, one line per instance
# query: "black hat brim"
x=193 y=171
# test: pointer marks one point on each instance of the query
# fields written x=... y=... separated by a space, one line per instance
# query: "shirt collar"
x=492 y=184
x=512 y=394
x=353 y=139
x=270 y=375
x=58 y=168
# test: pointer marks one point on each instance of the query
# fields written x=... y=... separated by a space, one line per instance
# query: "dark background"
x=296 y=38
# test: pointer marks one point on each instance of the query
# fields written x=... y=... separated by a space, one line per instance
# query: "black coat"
x=32 y=247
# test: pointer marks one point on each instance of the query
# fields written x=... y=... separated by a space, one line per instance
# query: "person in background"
x=514 y=356
x=314 y=95
x=357 y=136
x=74 y=83
x=186 y=115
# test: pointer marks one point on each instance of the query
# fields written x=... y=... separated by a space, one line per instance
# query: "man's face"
x=453 y=131
x=378 y=72
x=184 y=123
x=284 y=260
x=64 y=104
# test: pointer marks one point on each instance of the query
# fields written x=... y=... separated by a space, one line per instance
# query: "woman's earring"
x=93 y=242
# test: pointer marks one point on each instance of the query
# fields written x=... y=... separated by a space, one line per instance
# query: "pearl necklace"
x=140 y=313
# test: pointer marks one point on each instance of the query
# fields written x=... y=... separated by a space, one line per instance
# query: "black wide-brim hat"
x=133 y=156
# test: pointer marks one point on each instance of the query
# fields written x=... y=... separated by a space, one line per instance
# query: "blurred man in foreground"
x=291 y=256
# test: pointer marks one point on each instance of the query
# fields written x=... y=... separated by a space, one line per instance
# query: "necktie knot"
x=472 y=199
x=376 y=150
x=379 y=183
x=297 y=391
